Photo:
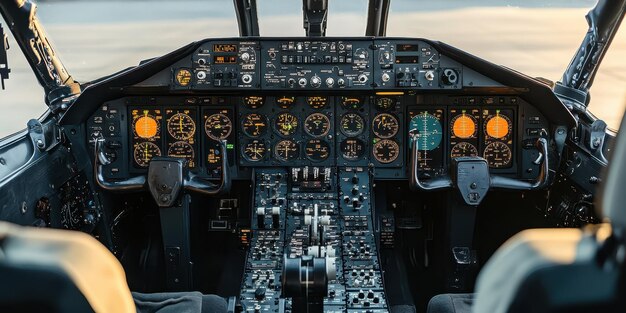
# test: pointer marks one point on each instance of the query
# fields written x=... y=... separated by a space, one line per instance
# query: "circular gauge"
x=218 y=126
x=181 y=126
x=254 y=102
x=352 y=149
x=317 y=150
x=463 y=126
x=384 y=104
x=352 y=124
x=183 y=150
x=351 y=102
x=317 y=125
x=254 y=150
x=385 y=125
x=286 y=124
x=254 y=125
x=144 y=152
x=498 y=126
x=386 y=151
x=463 y=149
x=286 y=150
x=285 y=102
x=427 y=131
x=183 y=77
x=498 y=154
x=317 y=102
x=146 y=126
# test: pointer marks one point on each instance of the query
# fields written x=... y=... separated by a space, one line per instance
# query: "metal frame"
x=315 y=14
x=604 y=21
x=377 y=15
x=247 y=18
x=30 y=35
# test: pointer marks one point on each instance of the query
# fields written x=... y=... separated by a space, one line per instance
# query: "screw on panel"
x=24 y=208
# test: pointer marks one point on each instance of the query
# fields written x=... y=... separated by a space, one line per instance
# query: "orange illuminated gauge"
x=317 y=102
x=181 y=126
x=385 y=125
x=386 y=151
x=183 y=77
x=286 y=150
x=218 y=126
x=144 y=152
x=352 y=149
x=317 y=125
x=285 y=102
x=254 y=102
x=352 y=124
x=498 y=155
x=146 y=126
x=254 y=150
x=463 y=149
x=183 y=150
x=498 y=126
x=352 y=102
x=317 y=150
x=384 y=104
x=464 y=126
x=254 y=125
x=286 y=124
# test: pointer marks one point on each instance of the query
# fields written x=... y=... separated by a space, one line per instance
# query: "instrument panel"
x=320 y=102
x=376 y=130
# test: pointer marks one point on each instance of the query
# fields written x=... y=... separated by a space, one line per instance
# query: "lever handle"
x=100 y=159
x=203 y=186
x=415 y=183
x=542 y=179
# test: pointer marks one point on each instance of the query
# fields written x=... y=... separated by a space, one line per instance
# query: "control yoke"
x=166 y=177
x=473 y=172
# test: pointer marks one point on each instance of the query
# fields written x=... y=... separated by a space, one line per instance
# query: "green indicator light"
x=230 y=146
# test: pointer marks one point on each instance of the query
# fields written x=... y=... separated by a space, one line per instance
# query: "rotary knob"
x=385 y=77
x=245 y=57
x=316 y=81
x=302 y=82
x=429 y=75
x=362 y=78
x=246 y=78
x=330 y=82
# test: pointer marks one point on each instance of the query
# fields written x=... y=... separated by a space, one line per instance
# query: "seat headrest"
x=72 y=257
x=612 y=200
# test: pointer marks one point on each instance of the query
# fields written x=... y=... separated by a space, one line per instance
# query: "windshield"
x=98 y=37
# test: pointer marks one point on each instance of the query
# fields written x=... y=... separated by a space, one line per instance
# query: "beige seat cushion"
x=94 y=270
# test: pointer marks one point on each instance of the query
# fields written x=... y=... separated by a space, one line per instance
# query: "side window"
x=23 y=98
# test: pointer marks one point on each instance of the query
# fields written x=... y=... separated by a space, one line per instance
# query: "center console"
x=318 y=215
